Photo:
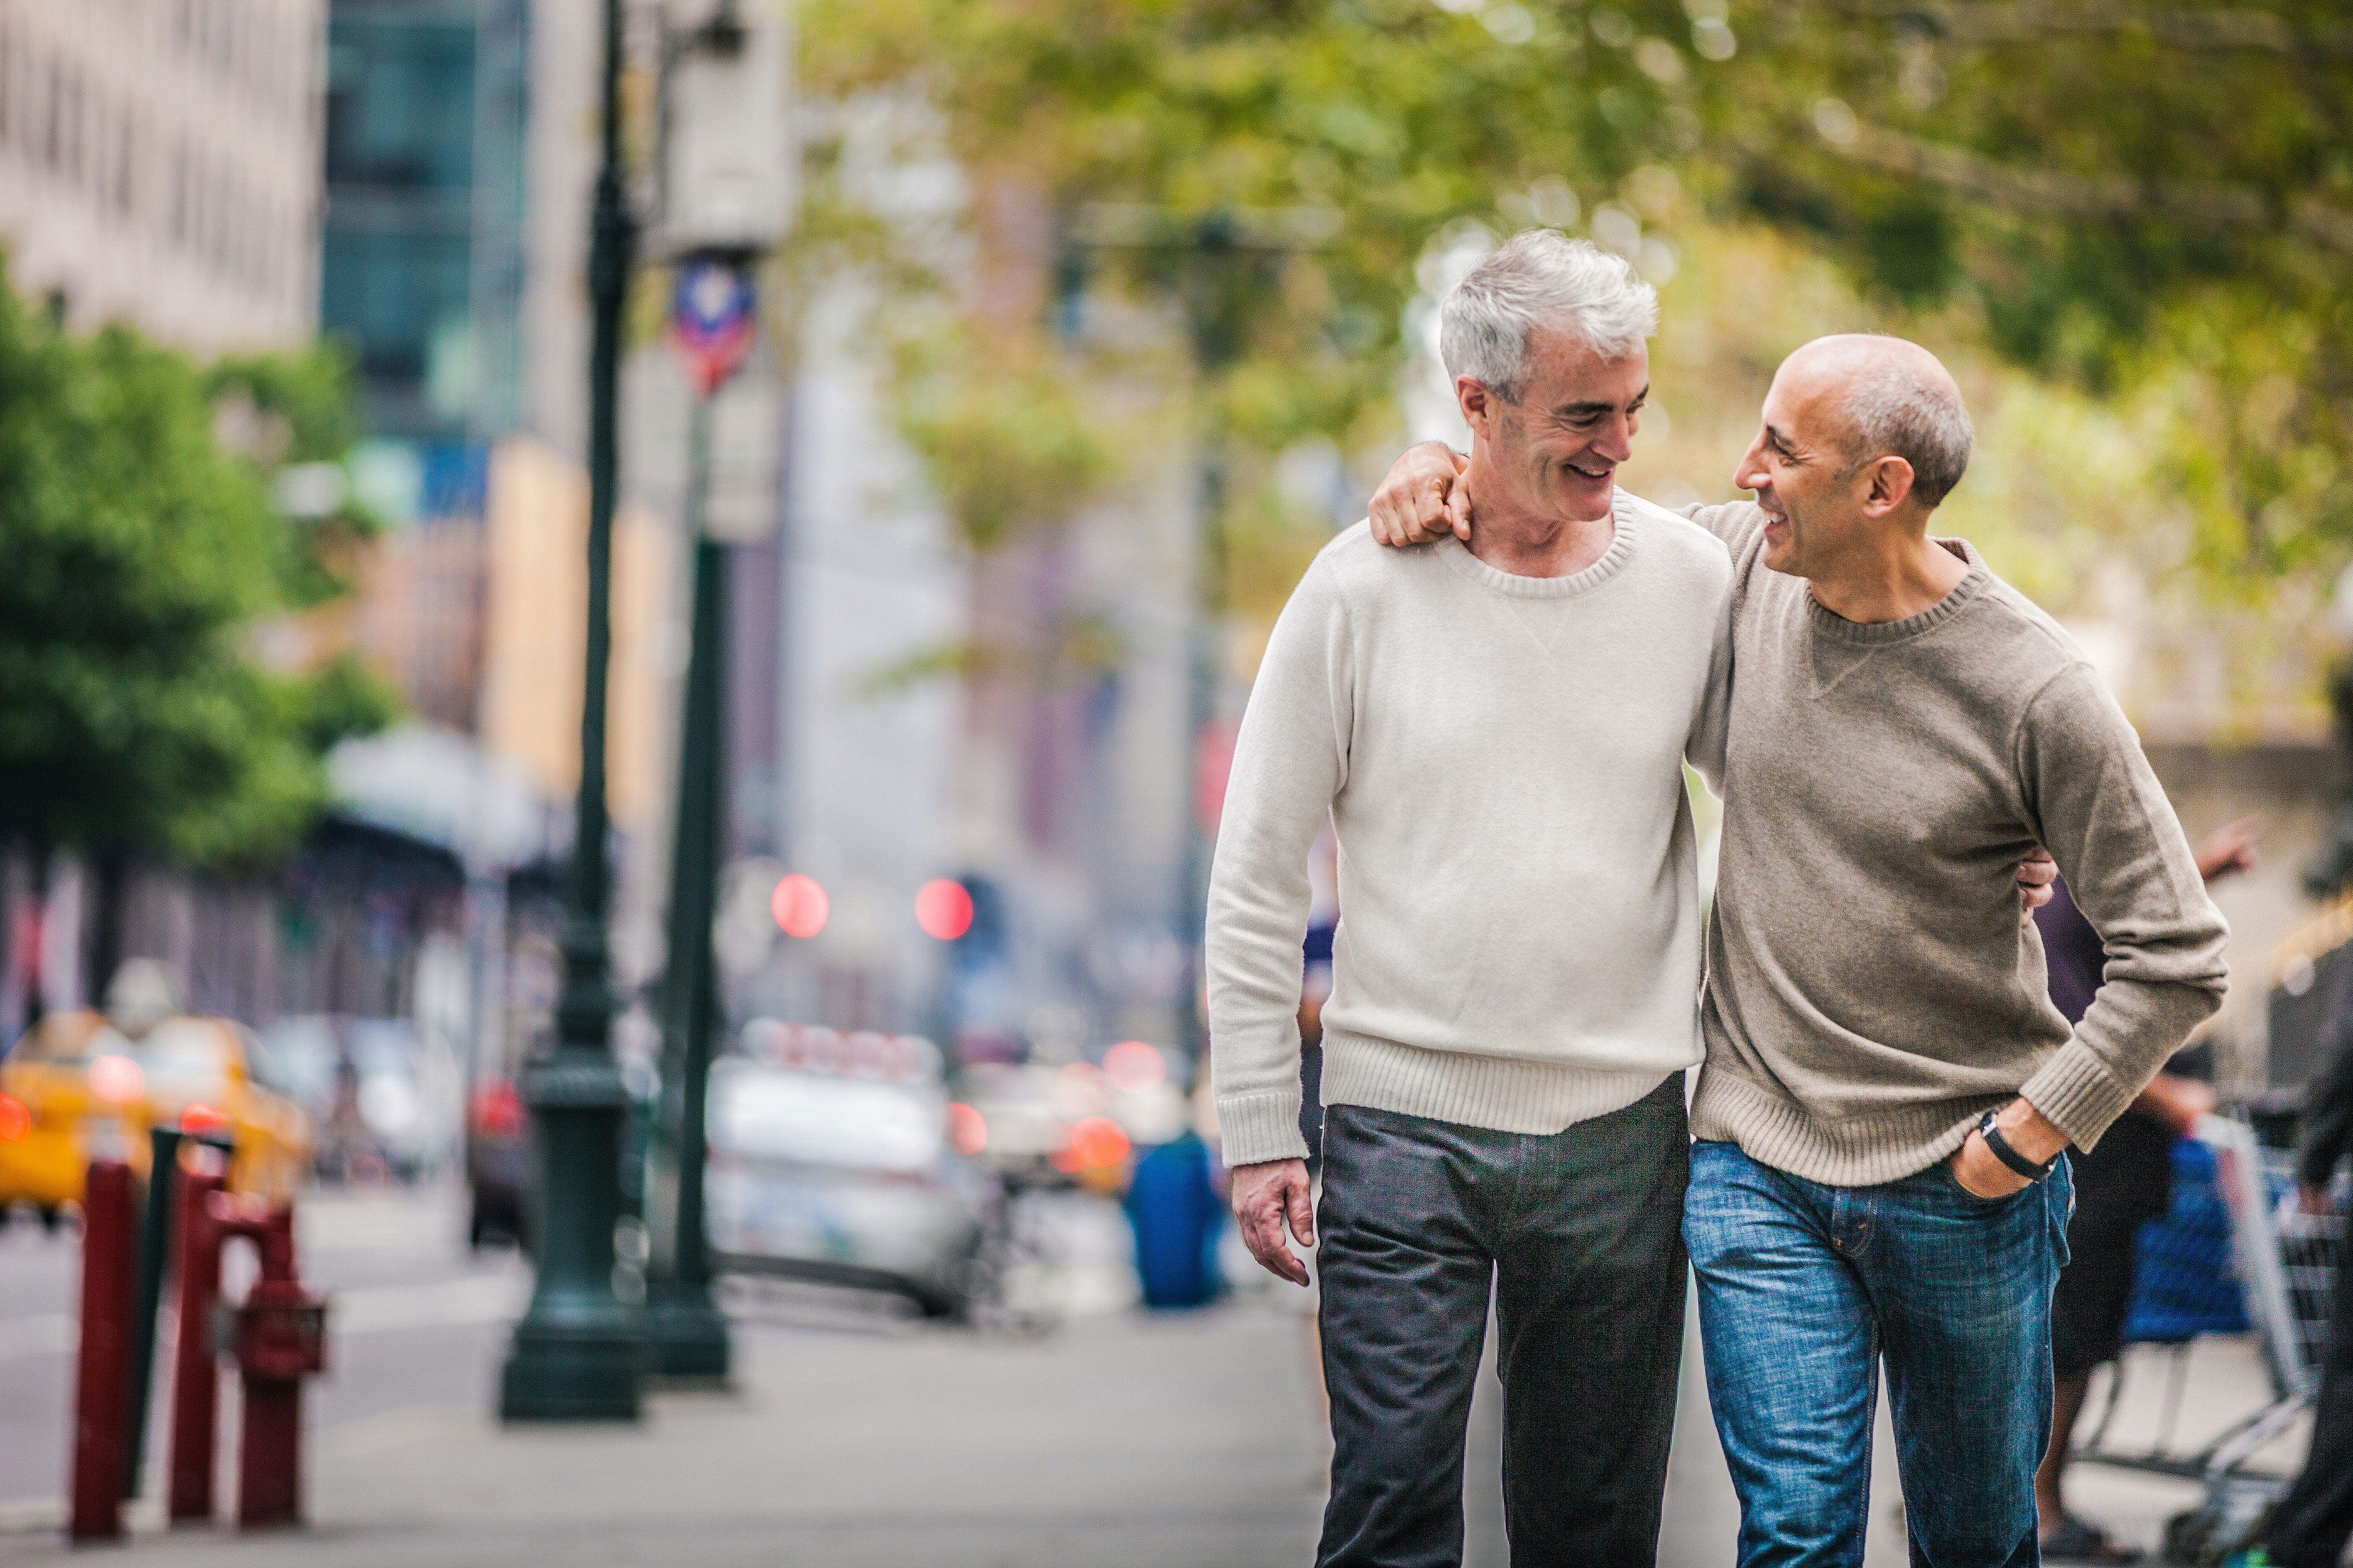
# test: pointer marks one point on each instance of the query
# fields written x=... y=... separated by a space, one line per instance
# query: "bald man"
x=1888 y=1088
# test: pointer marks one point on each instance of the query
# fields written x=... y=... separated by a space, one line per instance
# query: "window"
x=126 y=144
x=53 y=126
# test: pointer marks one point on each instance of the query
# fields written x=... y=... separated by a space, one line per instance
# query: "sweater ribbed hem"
x=1862 y=1152
x=1255 y=1128
x=1503 y=1094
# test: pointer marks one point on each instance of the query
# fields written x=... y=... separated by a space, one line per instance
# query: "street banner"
x=713 y=318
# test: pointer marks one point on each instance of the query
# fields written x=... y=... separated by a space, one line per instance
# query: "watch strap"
x=1992 y=1132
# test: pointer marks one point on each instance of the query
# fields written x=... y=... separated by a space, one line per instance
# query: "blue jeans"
x=1804 y=1289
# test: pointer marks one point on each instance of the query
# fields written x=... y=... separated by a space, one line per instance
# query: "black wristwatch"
x=1992 y=1133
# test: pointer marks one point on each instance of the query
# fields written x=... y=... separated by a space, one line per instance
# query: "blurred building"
x=535 y=628
x=160 y=164
x=423 y=271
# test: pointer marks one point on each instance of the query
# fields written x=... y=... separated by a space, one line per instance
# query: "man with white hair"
x=1496 y=735
x=1888 y=1086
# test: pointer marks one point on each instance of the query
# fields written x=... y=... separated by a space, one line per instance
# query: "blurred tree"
x=2131 y=197
x=140 y=548
x=2140 y=199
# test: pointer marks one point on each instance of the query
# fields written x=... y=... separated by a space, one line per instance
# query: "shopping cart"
x=2236 y=1250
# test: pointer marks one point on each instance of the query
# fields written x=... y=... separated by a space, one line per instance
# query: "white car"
x=843 y=1179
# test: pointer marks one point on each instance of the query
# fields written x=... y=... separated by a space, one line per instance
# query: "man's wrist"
x=2032 y=1135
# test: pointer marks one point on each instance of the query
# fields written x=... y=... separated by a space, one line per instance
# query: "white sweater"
x=1498 y=757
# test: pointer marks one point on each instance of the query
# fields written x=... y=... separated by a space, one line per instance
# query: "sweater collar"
x=1626 y=524
x=1830 y=624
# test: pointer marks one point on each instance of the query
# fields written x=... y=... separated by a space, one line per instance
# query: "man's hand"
x=1422 y=498
x=2316 y=1201
x=2230 y=850
x=2176 y=1100
x=2035 y=875
x=1979 y=1170
x=1264 y=1196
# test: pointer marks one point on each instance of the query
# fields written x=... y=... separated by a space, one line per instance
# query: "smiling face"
x=1555 y=452
x=1813 y=501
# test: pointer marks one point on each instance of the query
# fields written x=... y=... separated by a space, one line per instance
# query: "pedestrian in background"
x=2314 y=1521
x=2124 y=1182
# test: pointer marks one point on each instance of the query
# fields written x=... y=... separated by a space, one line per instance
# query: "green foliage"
x=138 y=552
x=340 y=701
x=1010 y=447
x=304 y=402
x=2146 y=203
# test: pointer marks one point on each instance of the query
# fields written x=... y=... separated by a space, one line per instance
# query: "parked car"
x=497 y=1165
x=834 y=1165
x=77 y=1086
x=502 y=1173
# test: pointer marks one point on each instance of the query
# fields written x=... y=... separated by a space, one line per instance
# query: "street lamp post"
x=726 y=198
x=577 y=1353
x=686 y=1331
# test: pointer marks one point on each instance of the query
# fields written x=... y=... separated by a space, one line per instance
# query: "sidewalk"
x=856 y=1439
x=1183 y=1442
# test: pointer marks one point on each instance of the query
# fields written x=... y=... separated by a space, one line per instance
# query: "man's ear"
x=1477 y=402
x=1890 y=487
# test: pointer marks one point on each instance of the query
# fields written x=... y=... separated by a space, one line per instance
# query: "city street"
x=857 y=1435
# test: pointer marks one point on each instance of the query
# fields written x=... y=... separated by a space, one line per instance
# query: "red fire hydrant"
x=276 y=1336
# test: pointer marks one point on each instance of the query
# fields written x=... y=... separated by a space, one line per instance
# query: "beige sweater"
x=1870 y=990
x=1500 y=758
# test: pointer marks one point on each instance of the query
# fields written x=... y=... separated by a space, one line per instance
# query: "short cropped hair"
x=1541 y=278
x=1892 y=410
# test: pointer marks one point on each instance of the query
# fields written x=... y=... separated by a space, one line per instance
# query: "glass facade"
x=422 y=267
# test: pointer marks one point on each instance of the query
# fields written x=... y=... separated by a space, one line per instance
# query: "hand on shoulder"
x=1423 y=497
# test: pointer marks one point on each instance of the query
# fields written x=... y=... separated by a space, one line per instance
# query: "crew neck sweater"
x=1500 y=759
x=1872 y=991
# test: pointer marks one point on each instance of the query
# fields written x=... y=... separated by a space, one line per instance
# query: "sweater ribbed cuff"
x=1256 y=1128
x=2079 y=1094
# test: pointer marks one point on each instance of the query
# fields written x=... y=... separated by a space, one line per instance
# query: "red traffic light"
x=942 y=909
x=800 y=906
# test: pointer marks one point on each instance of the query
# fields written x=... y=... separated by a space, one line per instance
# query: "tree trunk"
x=36 y=1004
x=106 y=931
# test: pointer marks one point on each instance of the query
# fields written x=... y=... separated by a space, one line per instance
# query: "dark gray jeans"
x=1581 y=1235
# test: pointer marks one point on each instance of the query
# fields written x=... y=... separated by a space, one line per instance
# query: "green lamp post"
x=576 y=1354
x=687 y=1334
x=727 y=189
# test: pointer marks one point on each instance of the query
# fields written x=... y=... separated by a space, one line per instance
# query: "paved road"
x=858 y=1436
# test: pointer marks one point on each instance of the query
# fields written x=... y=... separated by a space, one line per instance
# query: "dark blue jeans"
x=1577 y=1235
x=1805 y=1289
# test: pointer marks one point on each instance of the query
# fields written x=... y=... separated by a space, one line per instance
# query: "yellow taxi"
x=79 y=1087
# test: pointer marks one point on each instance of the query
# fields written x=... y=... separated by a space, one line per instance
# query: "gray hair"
x=1892 y=410
x=1541 y=278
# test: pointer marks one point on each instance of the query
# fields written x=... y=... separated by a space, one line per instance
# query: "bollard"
x=101 y=1392
x=154 y=1261
x=279 y=1338
x=195 y=1383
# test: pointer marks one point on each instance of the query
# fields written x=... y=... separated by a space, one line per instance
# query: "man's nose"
x=1617 y=442
x=1750 y=474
